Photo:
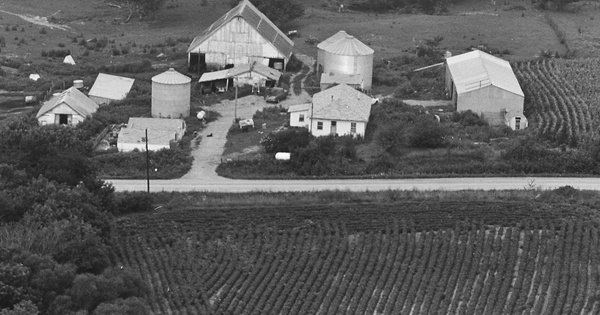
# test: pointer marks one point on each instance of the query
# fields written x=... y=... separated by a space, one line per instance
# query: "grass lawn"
x=241 y=142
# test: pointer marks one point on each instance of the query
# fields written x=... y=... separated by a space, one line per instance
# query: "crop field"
x=409 y=257
x=562 y=98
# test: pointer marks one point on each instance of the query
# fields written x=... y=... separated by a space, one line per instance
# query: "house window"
x=517 y=123
x=319 y=125
x=353 y=127
x=301 y=118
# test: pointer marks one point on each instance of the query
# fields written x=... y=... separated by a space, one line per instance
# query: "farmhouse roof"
x=341 y=102
x=342 y=43
x=111 y=86
x=261 y=69
x=171 y=77
x=254 y=17
x=477 y=69
x=73 y=98
x=299 y=108
x=350 y=79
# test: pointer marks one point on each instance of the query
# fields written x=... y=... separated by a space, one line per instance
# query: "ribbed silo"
x=344 y=54
x=171 y=95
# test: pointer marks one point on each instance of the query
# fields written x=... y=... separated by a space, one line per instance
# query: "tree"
x=143 y=8
x=280 y=12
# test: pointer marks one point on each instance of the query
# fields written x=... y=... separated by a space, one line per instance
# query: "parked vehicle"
x=276 y=94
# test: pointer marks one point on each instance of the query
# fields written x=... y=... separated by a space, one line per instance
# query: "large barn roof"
x=477 y=69
x=111 y=86
x=342 y=43
x=341 y=102
x=254 y=17
x=73 y=98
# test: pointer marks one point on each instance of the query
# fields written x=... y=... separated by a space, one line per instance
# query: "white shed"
x=162 y=133
x=108 y=88
x=67 y=108
x=344 y=54
x=241 y=36
x=486 y=85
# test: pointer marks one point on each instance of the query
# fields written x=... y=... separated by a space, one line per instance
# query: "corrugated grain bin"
x=282 y=156
x=344 y=54
x=171 y=95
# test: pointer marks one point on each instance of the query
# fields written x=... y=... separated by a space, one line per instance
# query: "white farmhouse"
x=162 y=134
x=486 y=85
x=67 y=108
x=108 y=88
x=340 y=110
x=242 y=36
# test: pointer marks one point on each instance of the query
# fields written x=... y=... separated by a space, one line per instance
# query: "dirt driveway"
x=207 y=155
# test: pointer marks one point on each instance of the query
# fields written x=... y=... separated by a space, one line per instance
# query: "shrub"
x=287 y=140
x=294 y=64
x=132 y=202
x=42 y=30
x=426 y=133
x=468 y=118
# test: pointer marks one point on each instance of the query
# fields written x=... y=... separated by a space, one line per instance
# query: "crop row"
x=559 y=100
x=420 y=215
x=536 y=267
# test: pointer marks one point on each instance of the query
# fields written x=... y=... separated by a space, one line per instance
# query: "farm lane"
x=207 y=155
x=449 y=184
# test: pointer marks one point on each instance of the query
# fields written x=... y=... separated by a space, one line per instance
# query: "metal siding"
x=170 y=100
x=362 y=65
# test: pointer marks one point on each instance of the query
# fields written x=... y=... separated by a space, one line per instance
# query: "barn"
x=345 y=59
x=486 y=85
x=242 y=36
x=108 y=88
x=67 y=108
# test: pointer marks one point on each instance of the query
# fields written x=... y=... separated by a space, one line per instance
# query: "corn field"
x=562 y=98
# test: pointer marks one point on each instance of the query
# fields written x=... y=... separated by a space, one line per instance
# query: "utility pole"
x=147 y=163
x=235 y=110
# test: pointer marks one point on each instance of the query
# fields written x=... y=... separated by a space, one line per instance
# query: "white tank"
x=344 y=54
x=78 y=84
x=171 y=95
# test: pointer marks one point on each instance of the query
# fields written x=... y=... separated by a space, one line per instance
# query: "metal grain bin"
x=344 y=54
x=171 y=95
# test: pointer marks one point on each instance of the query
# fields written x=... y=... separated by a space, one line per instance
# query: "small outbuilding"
x=343 y=54
x=67 y=108
x=162 y=134
x=242 y=36
x=299 y=115
x=69 y=60
x=487 y=86
x=255 y=74
x=340 y=110
x=108 y=88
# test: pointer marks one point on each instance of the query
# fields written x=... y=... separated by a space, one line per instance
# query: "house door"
x=517 y=123
x=334 y=127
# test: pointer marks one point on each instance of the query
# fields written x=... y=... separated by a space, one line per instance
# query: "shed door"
x=334 y=127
